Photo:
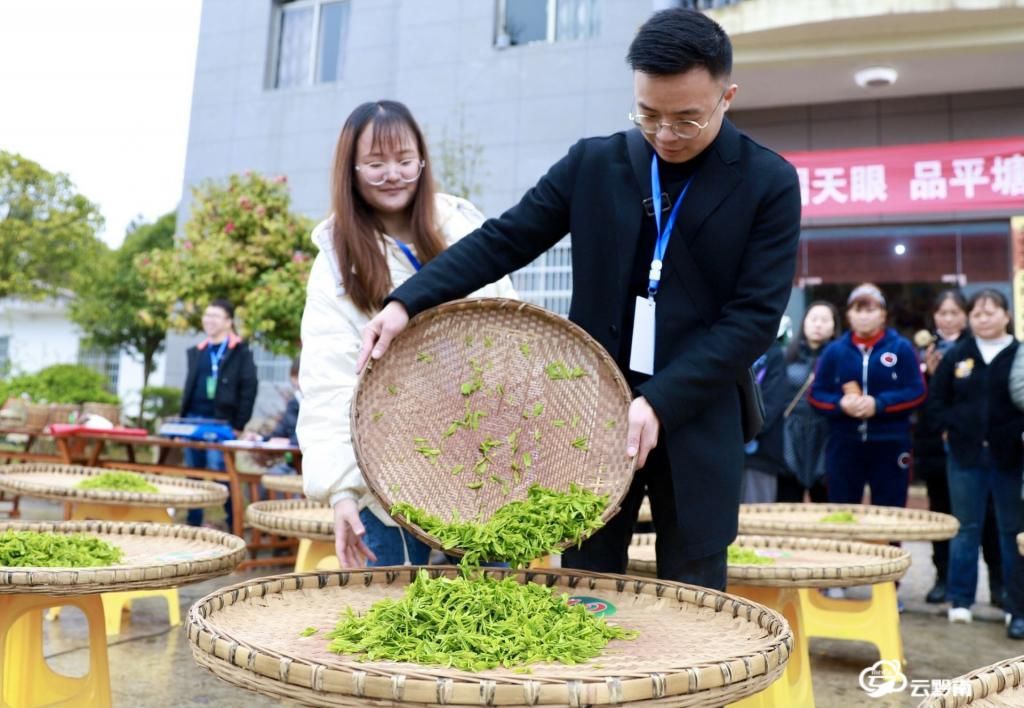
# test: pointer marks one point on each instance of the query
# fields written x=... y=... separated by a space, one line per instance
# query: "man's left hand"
x=643 y=430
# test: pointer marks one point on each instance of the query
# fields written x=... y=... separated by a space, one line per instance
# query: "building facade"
x=504 y=87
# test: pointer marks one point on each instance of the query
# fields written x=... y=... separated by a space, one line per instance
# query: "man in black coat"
x=720 y=284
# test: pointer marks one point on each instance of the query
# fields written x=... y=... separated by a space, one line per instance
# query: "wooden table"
x=93 y=448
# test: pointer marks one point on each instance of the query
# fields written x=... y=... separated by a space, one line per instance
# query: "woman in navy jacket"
x=867 y=383
x=970 y=399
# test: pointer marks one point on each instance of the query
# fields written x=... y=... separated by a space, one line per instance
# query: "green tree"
x=47 y=229
x=459 y=161
x=111 y=303
x=242 y=243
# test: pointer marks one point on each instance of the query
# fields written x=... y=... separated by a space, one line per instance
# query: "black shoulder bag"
x=751 y=402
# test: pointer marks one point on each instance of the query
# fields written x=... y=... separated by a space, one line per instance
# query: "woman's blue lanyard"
x=409 y=254
x=663 y=236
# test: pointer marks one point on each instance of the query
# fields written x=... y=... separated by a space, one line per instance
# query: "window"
x=5 y=355
x=270 y=368
x=308 y=42
x=548 y=280
x=107 y=362
x=525 y=21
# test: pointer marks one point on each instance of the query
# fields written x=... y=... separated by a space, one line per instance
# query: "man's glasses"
x=686 y=129
x=377 y=173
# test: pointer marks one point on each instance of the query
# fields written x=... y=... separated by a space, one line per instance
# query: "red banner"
x=971 y=175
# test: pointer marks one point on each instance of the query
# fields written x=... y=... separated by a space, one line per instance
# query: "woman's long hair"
x=793 y=349
x=357 y=229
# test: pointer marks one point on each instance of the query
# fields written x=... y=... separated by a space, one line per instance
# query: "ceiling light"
x=899 y=249
x=876 y=77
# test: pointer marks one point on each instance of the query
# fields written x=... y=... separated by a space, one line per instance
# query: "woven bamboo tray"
x=57 y=482
x=415 y=392
x=799 y=562
x=696 y=647
x=155 y=556
x=298 y=518
x=287 y=483
x=874 y=523
x=1001 y=684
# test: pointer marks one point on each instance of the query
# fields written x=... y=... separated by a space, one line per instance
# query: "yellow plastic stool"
x=115 y=603
x=26 y=680
x=313 y=555
x=876 y=621
x=794 y=688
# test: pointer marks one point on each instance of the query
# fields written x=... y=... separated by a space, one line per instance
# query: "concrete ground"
x=151 y=665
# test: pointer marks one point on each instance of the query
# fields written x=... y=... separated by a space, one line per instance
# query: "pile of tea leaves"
x=474 y=621
x=475 y=624
x=33 y=549
x=840 y=517
x=118 y=482
x=518 y=532
x=737 y=555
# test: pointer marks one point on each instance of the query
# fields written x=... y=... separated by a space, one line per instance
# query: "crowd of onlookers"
x=869 y=408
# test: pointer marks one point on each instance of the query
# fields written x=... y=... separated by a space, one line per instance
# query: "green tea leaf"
x=119 y=482
x=34 y=549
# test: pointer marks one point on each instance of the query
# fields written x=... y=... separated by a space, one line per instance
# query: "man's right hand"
x=352 y=551
x=378 y=332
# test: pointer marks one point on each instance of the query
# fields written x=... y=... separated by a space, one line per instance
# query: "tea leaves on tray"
x=518 y=532
x=747 y=556
x=33 y=549
x=474 y=624
x=118 y=482
x=840 y=517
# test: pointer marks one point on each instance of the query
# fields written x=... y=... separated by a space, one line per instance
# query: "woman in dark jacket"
x=950 y=317
x=764 y=460
x=804 y=431
x=867 y=383
x=970 y=401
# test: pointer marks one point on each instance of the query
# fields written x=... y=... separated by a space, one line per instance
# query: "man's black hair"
x=224 y=305
x=675 y=41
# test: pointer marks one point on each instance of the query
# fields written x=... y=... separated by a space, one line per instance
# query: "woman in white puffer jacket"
x=387 y=220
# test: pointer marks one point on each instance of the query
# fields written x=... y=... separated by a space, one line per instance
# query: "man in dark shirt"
x=684 y=239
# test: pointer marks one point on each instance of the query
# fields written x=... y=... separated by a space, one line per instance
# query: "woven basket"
x=59 y=482
x=155 y=556
x=644 y=517
x=696 y=647
x=287 y=483
x=298 y=518
x=1001 y=684
x=110 y=411
x=37 y=415
x=414 y=392
x=799 y=562
x=61 y=412
x=874 y=523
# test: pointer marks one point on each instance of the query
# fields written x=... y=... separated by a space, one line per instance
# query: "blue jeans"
x=206 y=460
x=969 y=488
x=392 y=544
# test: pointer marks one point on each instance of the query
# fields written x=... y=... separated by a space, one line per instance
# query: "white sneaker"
x=960 y=615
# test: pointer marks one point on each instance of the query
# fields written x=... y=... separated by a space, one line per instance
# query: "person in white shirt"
x=386 y=221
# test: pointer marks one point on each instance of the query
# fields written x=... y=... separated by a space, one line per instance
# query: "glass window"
x=309 y=42
x=525 y=21
x=548 y=280
x=105 y=361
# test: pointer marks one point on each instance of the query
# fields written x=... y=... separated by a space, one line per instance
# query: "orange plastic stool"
x=26 y=680
x=794 y=688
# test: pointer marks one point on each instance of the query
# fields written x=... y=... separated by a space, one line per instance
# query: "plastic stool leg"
x=876 y=621
x=26 y=679
x=311 y=553
x=115 y=603
x=794 y=688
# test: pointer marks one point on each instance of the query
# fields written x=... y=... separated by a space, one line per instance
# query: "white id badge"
x=641 y=355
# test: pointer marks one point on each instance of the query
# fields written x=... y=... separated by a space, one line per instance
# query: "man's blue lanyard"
x=663 y=236
x=409 y=254
x=215 y=358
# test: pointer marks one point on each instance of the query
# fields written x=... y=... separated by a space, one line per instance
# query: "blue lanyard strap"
x=661 y=244
x=409 y=254
x=215 y=359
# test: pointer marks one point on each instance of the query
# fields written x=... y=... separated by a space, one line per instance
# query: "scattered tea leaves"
x=425 y=357
x=457 y=470
x=525 y=349
x=377 y=416
x=581 y=444
x=392 y=389
x=840 y=517
x=559 y=371
x=738 y=555
x=308 y=632
x=610 y=424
